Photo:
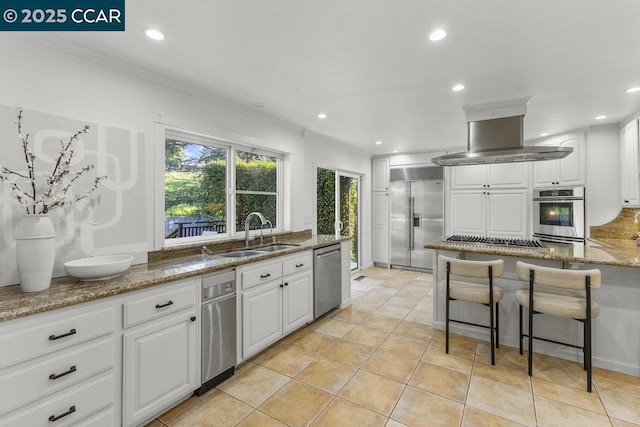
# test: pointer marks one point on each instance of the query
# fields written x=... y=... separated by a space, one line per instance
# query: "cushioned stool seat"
x=479 y=293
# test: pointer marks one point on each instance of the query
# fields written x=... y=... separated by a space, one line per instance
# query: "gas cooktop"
x=497 y=241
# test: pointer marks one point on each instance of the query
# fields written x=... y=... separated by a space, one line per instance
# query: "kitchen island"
x=616 y=332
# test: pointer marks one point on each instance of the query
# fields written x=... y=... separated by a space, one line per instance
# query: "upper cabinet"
x=567 y=171
x=629 y=183
x=498 y=175
x=380 y=174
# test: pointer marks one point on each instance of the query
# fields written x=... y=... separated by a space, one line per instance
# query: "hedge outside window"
x=197 y=176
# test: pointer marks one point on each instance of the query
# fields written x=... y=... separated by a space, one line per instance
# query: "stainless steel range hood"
x=495 y=135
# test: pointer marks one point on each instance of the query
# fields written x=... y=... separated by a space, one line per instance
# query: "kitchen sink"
x=240 y=254
x=274 y=248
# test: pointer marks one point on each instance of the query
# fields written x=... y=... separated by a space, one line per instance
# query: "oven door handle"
x=555 y=199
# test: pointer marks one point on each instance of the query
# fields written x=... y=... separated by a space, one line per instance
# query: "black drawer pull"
x=71 y=410
x=164 y=305
x=193 y=318
x=286 y=283
x=57 y=337
x=281 y=285
x=299 y=265
x=56 y=376
x=264 y=276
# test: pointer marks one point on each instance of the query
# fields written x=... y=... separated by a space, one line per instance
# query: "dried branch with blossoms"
x=56 y=191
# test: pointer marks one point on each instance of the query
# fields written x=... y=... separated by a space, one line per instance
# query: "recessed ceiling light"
x=154 y=34
x=544 y=134
x=378 y=142
x=633 y=89
x=457 y=88
x=601 y=117
x=437 y=35
x=322 y=116
x=395 y=151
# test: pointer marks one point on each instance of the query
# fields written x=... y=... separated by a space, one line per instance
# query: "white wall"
x=603 y=173
x=41 y=78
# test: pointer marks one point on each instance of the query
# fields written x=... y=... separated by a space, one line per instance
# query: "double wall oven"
x=558 y=214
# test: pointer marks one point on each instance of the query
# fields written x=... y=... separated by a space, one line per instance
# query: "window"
x=201 y=197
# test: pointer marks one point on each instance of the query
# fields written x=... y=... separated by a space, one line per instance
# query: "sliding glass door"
x=338 y=208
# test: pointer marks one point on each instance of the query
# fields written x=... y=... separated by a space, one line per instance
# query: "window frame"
x=231 y=146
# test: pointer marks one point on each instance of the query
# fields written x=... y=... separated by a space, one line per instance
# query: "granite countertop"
x=68 y=291
x=616 y=252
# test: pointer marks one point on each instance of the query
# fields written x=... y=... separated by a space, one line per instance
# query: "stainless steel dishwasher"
x=218 y=328
x=327 y=279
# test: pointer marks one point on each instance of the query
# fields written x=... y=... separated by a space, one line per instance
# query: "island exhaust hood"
x=495 y=135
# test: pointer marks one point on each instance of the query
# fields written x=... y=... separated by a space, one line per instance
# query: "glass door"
x=338 y=207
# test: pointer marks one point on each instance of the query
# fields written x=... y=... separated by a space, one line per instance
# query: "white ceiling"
x=368 y=64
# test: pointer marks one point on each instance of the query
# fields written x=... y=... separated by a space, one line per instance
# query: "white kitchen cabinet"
x=381 y=227
x=57 y=366
x=495 y=213
x=567 y=171
x=274 y=308
x=498 y=175
x=160 y=352
x=380 y=173
x=629 y=184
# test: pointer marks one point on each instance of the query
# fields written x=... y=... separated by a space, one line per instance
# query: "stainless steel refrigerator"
x=416 y=215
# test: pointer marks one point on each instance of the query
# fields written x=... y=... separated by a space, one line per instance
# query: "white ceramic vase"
x=35 y=251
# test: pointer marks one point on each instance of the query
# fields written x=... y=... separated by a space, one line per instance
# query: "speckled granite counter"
x=621 y=253
x=67 y=291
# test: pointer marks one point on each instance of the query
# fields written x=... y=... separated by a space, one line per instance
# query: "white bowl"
x=99 y=267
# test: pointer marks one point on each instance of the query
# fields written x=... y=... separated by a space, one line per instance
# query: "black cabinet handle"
x=56 y=376
x=299 y=265
x=71 y=410
x=164 y=305
x=281 y=285
x=57 y=337
x=193 y=318
x=264 y=276
x=286 y=283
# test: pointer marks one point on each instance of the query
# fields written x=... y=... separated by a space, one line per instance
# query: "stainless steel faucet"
x=263 y=221
x=273 y=238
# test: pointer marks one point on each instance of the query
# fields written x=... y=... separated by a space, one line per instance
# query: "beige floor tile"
x=350 y=315
x=504 y=372
x=415 y=330
x=422 y=317
x=604 y=378
x=296 y=404
x=619 y=423
x=224 y=409
x=420 y=408
x=459 y=360
x=348 y=352
x=572 y=396
x=374 y=300
x=410 y=347
x=394 y=423
x=368 y=336
x=393 y=284
x=383 y=323
x=424 y=306
x=456 y=341
x=342 y=412
x=181 y=408
x=383 y=292
x=391 y=365
x=154 y=423
x=553 y=413
x=372 y=391
x=441 y=381
x=327 y=374
x=288 y=361
x=395 y=312
x=256 y=385
x=560 y=371
x=503 y=354
x=415 y=295
x=407 y=275
x=314 y=342
x=335 y=328
x=259 y=419
x=476 y=418
x=401 y=302
x=502 y=400
x=367 y=307
x=622 y=405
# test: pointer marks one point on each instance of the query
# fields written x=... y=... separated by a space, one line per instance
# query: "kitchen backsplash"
x=622 y=227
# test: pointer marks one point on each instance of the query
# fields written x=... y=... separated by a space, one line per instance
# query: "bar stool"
x=478 y=293
x=570 y=306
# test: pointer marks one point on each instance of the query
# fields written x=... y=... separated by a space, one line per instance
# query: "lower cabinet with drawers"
x=276 y=299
